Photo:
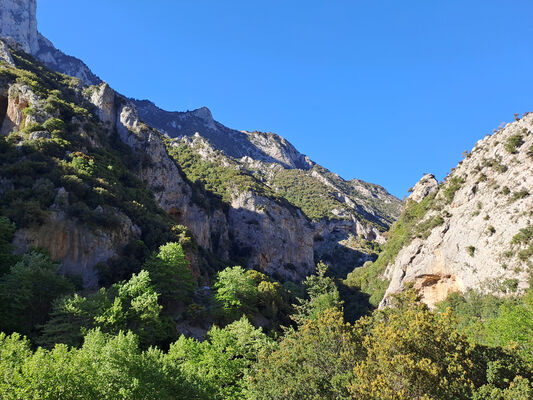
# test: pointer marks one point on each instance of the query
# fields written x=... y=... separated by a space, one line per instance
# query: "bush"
x=452 y=187
x=513 y=142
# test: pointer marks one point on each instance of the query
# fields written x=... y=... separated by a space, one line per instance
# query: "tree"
x=221 y=362
x=414 y=353
x=236 y=291
x=105 y=367
x=27 y=293
x=314 y=362
x=170 y=273
x=322 y=295
x=130 y=305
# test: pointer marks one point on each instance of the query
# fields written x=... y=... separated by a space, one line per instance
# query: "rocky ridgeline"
x=484 y=237
x=265 y=230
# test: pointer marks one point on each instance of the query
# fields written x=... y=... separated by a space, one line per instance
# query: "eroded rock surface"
x=485 y=202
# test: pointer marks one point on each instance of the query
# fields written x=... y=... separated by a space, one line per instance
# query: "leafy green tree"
x=513 y=324
x=221 y=362
x=130 y=305
x=105 y=367
x=27 y=293
x=322 y=295
x=236 y=292
x=170 y=273
x=314 y=362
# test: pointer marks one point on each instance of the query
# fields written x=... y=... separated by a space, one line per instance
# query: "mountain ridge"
x=280 y=212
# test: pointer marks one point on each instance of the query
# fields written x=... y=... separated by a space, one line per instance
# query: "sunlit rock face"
x=482 y=243
x=18 y=22
x=18 y=26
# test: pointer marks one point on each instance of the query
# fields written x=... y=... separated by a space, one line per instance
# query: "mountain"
x=474 y=231
x=243 y=197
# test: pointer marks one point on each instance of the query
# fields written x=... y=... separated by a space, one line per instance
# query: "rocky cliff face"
x=485 y=238
x=267 y=225
x=255 y=228
x=266 y=147
x=18 y=24
x=77 y=246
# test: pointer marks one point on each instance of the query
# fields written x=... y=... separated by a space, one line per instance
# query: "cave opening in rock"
x=3 y=110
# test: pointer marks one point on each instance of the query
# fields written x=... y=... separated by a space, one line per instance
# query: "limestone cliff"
x=484 y=237
x=18 y=24
x=264 y=225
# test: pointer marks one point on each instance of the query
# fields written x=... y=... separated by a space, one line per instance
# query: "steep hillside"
x=473 y=231
x=245 y=196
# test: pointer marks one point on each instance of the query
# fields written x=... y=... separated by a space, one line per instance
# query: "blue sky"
x=377 y=90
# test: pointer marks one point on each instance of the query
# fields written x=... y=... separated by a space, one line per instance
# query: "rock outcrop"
x=5 y=55
x=484 y=241
x=18 y=24
x=424 y=187
x=77 y=247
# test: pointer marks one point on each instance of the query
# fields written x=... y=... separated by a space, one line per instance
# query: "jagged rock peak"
x=204 y=113
x=424 y=187
x=18 y=22
x=5 y=55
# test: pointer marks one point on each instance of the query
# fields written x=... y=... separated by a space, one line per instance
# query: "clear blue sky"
x=377 y=90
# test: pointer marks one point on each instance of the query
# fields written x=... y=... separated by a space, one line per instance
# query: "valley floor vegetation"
x=265 y=340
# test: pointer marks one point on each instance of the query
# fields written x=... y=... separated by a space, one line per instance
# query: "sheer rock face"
x=5 y=55
x=77 y=247
x=474 y=248
x=279 y=240
x=18 y=24
x=276 y=239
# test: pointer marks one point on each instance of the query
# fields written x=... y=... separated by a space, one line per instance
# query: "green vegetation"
x=249 y=293
x=170 y=271
x=236 y=291
x=314 y=198
x=411 y=224
x=530 y=152
x=524 y=241
x=513 y=142
x=214 y=177
x=126 y=306
x=452 y=186
x=473 y=348
x=27 y=292
x=521 y=194
x=494 y=321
